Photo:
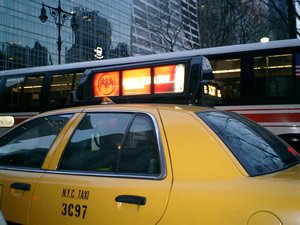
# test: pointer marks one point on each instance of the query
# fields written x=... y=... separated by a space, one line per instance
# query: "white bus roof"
x=159 y=57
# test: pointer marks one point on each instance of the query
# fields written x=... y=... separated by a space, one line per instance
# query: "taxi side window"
x=28 y=144
x=113 y=142
x=140 y=152
x=94 y=145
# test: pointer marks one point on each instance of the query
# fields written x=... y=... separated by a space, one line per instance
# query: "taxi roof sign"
x=176 y=80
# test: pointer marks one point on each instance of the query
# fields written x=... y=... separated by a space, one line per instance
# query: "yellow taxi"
x=147 y=164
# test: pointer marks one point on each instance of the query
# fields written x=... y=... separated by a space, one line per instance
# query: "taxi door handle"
x=21 y=186
x=131 y=199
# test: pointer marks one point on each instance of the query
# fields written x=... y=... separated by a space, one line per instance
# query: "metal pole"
x=60 y=16
x=59 y=42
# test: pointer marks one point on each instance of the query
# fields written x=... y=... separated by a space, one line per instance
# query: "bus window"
x=12 y=91
x=273 y=75
x=228 y=71
x=32 y=90
x=76 y=81
x=60 y=88
x=298 y=86
x=297 y=73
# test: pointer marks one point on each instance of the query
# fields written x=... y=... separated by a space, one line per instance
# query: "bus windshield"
x=259 y=151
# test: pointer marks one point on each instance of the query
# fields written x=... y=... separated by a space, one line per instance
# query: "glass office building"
x=120 y=27
x=26 y=41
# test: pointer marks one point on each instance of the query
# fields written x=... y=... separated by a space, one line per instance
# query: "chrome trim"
x=2 y=218
x=23 y=169
x=81 y=173
x=160 y=148
x=99 y=174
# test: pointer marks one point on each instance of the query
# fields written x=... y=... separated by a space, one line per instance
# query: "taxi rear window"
x=258 y=150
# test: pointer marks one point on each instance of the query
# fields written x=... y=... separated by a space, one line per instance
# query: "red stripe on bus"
x=17 y=121
x=278 y=117
x=280 y=126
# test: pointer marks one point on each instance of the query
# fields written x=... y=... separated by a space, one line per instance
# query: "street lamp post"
x=60 y=17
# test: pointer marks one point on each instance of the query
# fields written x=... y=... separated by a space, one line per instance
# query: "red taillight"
x=291 y=150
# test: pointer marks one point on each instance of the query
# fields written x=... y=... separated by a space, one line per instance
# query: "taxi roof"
x=131 y=107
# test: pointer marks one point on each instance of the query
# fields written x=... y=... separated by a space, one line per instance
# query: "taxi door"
x=22 y=153
x=136 y=191
x=16 y=194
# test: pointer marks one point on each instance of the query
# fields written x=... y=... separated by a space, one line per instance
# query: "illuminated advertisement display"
x=107 y=84
x=169 y=78
x=136 y=81
x=166 y=79
x=212 y=91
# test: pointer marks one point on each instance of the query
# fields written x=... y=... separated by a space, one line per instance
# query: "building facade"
x=164 y=26
x=118 y=28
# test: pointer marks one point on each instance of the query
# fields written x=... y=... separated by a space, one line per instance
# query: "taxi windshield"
x=258 y=150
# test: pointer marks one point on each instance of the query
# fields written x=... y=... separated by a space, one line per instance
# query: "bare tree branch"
x=170 y=28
